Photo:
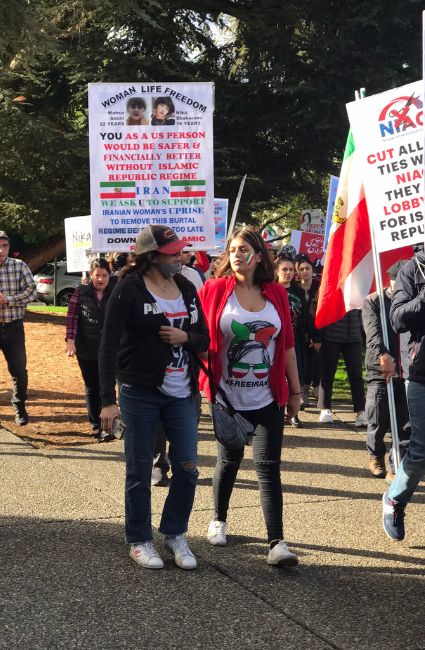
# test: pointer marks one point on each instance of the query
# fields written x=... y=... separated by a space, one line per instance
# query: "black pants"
x=378 y=417
x=90 y=372
x=12 y=343
x=267 y=446
x=311 y=366
x=329 y=356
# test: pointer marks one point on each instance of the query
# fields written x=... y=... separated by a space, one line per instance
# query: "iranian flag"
x=123 y=190
x=348 y=274
x=182 y=189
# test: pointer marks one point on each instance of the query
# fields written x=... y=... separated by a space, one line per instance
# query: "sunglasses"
x=240 y=370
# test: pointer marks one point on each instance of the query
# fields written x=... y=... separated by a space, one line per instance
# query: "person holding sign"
x=407 y=314
x=154 y=327
x=253 y=361
x=381 y=364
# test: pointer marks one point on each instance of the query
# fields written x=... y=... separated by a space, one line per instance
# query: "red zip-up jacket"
x=213 y=296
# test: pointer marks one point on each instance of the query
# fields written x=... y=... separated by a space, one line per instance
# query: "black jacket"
x=345 y=330
x=302 y=319
x=131 y=349
x=90 y=320
x=407 y=314
x=371 y=315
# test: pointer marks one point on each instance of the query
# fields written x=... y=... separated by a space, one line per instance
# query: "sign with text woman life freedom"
x=151 y=161
x=388 y=135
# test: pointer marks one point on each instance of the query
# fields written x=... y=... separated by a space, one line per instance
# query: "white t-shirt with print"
x=247 y=354
x=176 y=381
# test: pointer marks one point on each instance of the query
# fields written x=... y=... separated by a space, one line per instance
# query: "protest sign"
x=221 y=207
x=310 y=244
x=388 y=133
x=151 y=161
x=78 y=243
x=312 y=221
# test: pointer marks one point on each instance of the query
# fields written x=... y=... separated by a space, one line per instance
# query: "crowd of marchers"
x=154 y=330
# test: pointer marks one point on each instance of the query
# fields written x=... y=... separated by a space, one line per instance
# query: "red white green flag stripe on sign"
x=123 y=190
x=181 y=189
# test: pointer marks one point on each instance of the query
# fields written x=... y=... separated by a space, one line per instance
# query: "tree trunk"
x=36 y=256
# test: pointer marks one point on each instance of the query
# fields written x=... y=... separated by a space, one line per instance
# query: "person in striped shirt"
x=17 y=289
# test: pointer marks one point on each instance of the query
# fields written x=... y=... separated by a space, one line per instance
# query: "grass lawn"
x=341 y=389
x=47 y=309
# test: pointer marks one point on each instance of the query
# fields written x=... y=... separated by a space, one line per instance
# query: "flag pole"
x=236 y=208
x=379 y=289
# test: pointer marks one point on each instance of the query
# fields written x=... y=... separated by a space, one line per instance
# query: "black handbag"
x=231 y=429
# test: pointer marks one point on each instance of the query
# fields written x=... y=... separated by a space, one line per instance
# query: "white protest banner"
x=151 y=161
x=221 y=207
x=312 y=221
x=388 y=133
x=78 y=242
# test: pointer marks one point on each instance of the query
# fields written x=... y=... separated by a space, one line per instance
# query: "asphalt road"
x=66 y=580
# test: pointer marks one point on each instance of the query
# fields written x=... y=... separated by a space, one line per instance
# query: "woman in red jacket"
x=253 y=360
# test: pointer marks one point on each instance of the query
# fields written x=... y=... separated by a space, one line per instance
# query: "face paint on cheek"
x=248 y=258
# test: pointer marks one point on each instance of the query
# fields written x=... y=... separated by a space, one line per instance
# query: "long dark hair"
x=264 y=271
x=140 y=264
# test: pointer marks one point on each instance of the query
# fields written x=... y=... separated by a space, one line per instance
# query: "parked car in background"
x=66 y=283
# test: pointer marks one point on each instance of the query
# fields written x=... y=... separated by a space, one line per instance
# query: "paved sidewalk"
x=66 y=580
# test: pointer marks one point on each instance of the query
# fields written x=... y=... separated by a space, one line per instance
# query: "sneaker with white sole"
x=217 y=533
x=146 y=555
x=326 y=416
x=393 y=518
x=361 y=420
x=183 y=556
x=280 y=555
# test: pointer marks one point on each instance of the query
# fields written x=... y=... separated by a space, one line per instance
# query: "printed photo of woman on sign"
x=163 y=112
x=136 y=107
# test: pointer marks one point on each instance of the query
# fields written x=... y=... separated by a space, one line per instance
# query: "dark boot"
x=21 y=417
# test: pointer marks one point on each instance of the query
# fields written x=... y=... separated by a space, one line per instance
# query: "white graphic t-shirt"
x=249 y=341
x=176 y=381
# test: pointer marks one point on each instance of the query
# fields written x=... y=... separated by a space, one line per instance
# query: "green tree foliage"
x=282 y=71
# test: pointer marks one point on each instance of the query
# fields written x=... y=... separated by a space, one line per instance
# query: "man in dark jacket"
x=382 y=363
x=407 y=314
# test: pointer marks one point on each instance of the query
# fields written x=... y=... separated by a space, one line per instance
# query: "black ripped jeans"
x=267 y=446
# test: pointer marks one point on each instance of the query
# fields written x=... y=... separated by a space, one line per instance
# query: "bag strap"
x=214 y=388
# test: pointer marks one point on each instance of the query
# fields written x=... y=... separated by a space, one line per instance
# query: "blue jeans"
x=141 y=411
x=412 y=467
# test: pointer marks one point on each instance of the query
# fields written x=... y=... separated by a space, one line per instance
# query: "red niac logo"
x=400 y=114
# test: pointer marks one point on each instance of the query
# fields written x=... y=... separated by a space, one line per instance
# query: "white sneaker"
x=326 y=416
x=280 y=555
x=145 y=554
x=217 y=533
x=361 y=420
x=183 y=556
